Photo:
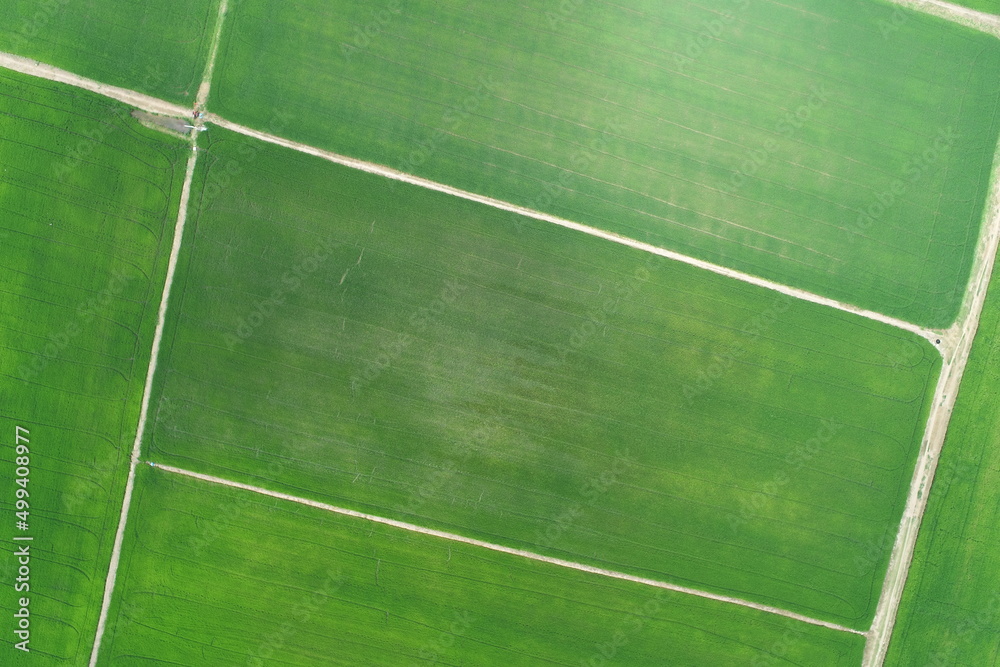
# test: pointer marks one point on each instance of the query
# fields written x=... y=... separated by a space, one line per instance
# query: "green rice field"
x=411 y=354
x=159 y=48
x=88 y=198
x=799 y=141
x=330 y=590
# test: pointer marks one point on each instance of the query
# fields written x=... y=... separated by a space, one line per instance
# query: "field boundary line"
x=109 y=584
x=153 y=105
x=982 y=21
x=502 y=549
x=182 y=210
x=396 y=175
x=961 y=337
x=136 y=99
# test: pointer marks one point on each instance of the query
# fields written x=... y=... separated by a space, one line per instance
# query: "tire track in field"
x=396 y=175
x=502 y=549
x=959 y=339
x=198 y=125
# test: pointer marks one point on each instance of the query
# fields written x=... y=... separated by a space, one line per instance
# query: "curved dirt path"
x=387 y=172
x=502 y=549
x=959 y=340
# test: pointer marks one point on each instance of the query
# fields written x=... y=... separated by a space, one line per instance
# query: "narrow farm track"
x=502 y=549
x=393 y=174
x=959 y=339
x=203 y=92
x=109 y=584
x=130 y=97
x=989 y=23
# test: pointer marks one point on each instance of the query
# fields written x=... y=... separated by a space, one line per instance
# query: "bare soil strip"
x=502 y=549
x=609 y=236
x=960 y=338
x=989 y=23
x=130 y=97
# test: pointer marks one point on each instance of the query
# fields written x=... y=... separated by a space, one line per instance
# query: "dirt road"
x=130 y=97
x=502 y=549
x=959 y=339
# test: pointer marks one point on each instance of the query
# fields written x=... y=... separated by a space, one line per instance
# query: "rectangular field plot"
x=792 y=140
x=950 y=612
x=88 y=199
x=252 y=581
x=158 y=48
x=408 y=353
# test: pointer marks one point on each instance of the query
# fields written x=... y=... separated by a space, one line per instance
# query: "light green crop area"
x=158 y=48
x=950 y=612
x=840 y=147
x=88 y=198
x=405 y=352
x=329 y=590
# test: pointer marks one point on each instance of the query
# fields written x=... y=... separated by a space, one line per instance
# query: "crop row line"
x=502 y=549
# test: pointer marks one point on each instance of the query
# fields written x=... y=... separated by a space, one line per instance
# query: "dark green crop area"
x=950 y=612
x=840 y=147
x=88 y=200
x=408 y=353
x=158 y=48
x=329 y=590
